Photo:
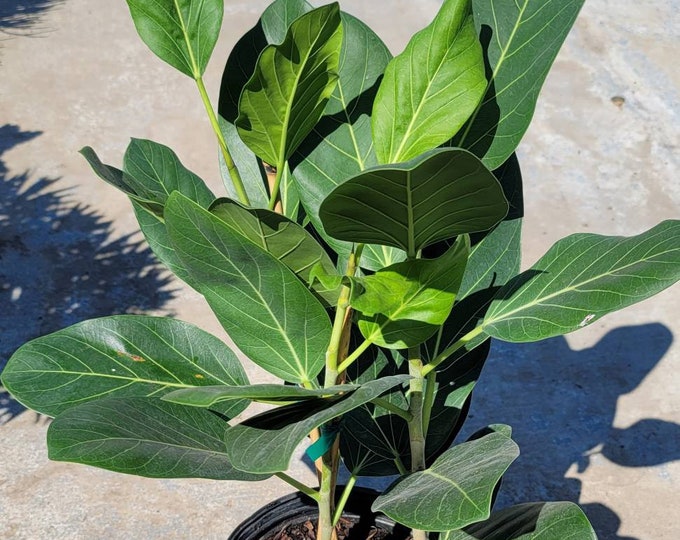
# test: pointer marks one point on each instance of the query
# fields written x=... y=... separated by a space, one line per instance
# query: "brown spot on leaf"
x=133 y=357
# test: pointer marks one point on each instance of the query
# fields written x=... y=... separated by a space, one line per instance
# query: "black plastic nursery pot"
x=293 y=516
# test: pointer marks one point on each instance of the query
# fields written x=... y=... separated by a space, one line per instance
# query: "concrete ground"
x=596 y=414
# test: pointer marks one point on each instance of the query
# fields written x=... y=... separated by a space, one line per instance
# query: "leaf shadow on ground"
x=561 y=404
x=21 y=17
x=61 y=262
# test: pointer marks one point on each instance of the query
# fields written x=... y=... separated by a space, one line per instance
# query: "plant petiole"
x=467 y=338
x=231 y=166
x=303 y=488
x=352 y=480
x=387 y=405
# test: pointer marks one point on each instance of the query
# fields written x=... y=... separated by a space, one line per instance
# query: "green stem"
x=337 y=349
x=356 y=353
x=325 y=500
x=299 y=485
x=231 y=166
x=276 y=188
x=387 y=405
x=343 y=499
x=452 y=349
x=428 y=401
x=403 y=471
x=415 y=425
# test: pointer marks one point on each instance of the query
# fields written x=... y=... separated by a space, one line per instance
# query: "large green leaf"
x=268 y=312
x=531 y=521
x=125 y=355
x=266 y=442
x=431 y=89
x=291 y=85
x=439 y=195
x=207 y=396
x=145 y=437
x=286 y=240
x=521 y=40
x=182 y=33
x=404 y=304
x=580 y=279
x=455 y=491
x=341 y=144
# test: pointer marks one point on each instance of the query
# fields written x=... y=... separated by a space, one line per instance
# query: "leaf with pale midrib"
x=521 y=40
x=182 y=33
x=290 y=87
x=124 y=355
x=266 y=442
x=439 y=195
x=431 y=88
x=582 y=278
x=455 y=491
x=267 y=311
x=145 y=437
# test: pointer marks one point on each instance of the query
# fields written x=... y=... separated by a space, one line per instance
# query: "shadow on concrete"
x=61 y=263
x=21 y=17
x=561 y=405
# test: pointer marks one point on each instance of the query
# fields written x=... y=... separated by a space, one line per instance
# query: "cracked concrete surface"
x=596 y=414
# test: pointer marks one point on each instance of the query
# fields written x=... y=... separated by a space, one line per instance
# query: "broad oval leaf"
x=290 y=87
x=580 y=279
x=521 y=40
x=455 y=491
x=265 y=443
x=431 y=89
x=268 y=312
x=207 y=396
x=124 y=355
x=531 y=521
x=145 y=437
x=341 y=143
x=182 y=33
x=439 y=195
x=284 y=239
x=404 y=304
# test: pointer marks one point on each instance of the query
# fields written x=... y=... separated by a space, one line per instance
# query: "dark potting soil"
x=346 y=531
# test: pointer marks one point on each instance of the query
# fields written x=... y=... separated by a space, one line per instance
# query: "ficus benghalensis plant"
x=366 y=249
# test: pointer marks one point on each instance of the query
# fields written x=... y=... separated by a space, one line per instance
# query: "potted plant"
x=366 y=252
